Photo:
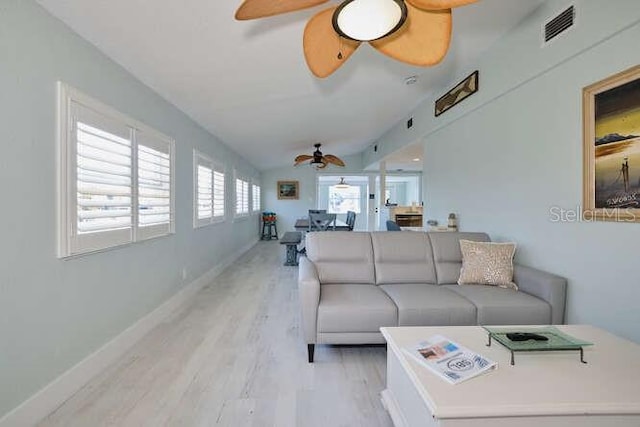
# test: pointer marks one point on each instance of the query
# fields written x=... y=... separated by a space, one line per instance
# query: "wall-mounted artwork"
x=462 y=91
x=288 y=190
x=611 y=110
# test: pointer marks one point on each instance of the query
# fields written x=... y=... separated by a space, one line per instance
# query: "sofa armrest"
x=546 y=286
x=309 y=292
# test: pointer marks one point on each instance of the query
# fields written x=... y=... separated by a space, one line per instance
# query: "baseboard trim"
x=51 y=396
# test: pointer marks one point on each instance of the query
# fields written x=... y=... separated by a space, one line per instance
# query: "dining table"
x=302 y=224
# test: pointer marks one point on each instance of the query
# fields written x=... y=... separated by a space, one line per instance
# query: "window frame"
x=215 y=167
x=68 y=242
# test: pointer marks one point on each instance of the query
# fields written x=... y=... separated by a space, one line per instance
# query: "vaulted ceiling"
x=247 y=82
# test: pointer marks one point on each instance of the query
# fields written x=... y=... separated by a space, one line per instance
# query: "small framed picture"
x=288 y=190
x=611 y=164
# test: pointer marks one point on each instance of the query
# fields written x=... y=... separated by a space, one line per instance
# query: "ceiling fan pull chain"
x=339 y=47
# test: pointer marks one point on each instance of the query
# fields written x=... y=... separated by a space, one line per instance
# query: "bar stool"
x=269 y=228
x=269 y=231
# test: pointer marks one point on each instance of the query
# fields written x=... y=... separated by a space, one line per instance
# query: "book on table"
x=449 y=360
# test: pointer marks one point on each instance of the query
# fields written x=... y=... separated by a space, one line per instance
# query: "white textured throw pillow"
x=487 y=264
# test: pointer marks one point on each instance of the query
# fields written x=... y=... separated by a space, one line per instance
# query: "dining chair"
x=322 y=222
x=317 y=211
x=351 y=219
x=393 y=226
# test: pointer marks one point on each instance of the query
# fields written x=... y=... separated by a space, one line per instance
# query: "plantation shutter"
x=155 y=195
x=205 y=192
x=102 y=216
x=218 y=192
x=245 y=197
x=242 y=197
x=238 y=196
x=256 y=198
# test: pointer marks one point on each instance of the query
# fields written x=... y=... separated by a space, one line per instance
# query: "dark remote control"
x=525 y=336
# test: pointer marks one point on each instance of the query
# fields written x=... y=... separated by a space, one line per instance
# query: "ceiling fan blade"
x=333 y=159
x=254 y=9
x=302 y=158
x=423 y=40
x=324 y=50
x=439 y=4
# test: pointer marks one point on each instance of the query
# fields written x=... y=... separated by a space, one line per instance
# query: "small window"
x=110 y=166
x=255 y=198
x=208 y=191
x=242 y=197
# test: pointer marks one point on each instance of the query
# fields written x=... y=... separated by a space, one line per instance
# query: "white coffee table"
x=542 y=389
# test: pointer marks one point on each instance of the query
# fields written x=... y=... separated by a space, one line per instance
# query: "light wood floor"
x=235 y=358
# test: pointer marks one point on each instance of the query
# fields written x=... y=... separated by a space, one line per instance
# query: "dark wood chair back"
x=351 y=219
x=322 y=222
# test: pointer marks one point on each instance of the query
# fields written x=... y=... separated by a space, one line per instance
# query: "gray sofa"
x=353 y=283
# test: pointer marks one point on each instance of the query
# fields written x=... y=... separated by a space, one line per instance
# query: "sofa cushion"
x=403 y=257
x=447 y=254
x=341 y=256
x=487 y=263
x=430 y=305
x=500 y=306
x=355 y=308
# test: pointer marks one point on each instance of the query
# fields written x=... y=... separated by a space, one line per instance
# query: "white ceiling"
x=247 y=82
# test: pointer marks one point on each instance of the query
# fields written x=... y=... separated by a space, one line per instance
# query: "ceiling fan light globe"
x=367 y=20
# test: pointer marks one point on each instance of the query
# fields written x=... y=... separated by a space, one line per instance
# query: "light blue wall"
x=508 y=154
x=53 y=313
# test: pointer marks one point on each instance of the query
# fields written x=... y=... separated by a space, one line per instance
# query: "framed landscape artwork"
x=611 y=182
x=288 y=190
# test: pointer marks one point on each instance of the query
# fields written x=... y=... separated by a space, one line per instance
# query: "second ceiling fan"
x=416 y=32
x=318 y=160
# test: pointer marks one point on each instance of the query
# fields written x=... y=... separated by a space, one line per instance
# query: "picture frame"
x=288 y=190
x=611 y=148
x=457 y=94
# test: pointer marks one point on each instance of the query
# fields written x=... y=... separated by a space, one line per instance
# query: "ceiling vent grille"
x=558 y=25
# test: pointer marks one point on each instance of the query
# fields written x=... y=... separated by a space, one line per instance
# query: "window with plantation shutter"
x=242 y=197
x=255 y=198
x=208 y=194
x=115 y=177
x=155 y=201
x=204 y=194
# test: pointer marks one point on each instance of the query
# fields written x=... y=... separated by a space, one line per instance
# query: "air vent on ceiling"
x=558 y=25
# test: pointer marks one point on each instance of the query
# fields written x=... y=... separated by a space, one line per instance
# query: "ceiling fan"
x=318 y=160
x=416 y=32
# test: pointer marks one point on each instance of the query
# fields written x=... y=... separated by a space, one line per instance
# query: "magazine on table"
x=450 y=360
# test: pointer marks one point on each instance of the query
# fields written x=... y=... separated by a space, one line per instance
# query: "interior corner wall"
x=54 y=313
x=507 y=156
x=290 y=210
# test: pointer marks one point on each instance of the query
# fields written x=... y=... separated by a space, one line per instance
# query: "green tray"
x=557 y=340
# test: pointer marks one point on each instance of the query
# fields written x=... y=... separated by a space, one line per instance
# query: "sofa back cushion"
x=404 y=257
x=447 y=254
x=341 y=256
